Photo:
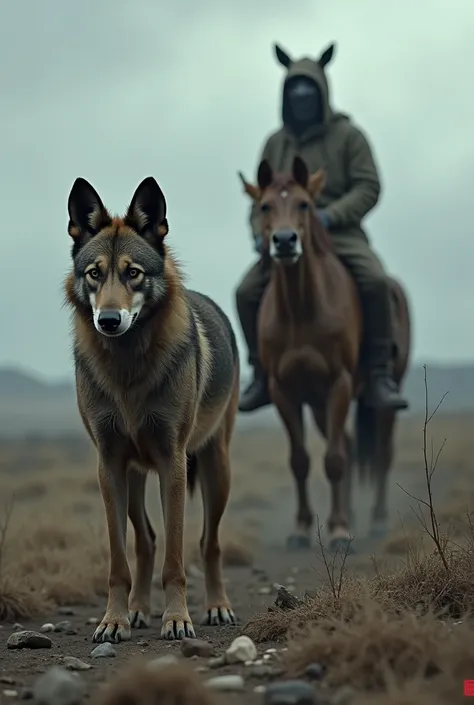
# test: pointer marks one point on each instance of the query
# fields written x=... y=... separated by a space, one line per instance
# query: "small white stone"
x=241 y=650
x=267 y=657
x=264 y=591
x=270 y=651
x=10 y=693
x=48 y=627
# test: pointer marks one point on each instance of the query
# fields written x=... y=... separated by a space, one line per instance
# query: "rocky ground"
x=263 y=506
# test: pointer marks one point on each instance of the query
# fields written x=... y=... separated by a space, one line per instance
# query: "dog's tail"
x=191 y=473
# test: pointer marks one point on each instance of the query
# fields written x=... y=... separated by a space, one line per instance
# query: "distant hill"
x=15 y=383
x=33 y=405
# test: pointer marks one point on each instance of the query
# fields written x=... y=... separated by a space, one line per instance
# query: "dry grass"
x=142 y=684
x=392 y=636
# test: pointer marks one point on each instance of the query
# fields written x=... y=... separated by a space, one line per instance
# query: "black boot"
x=382 y=390
x=255 y=396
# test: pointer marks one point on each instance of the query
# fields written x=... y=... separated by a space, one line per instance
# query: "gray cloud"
x=114 y=91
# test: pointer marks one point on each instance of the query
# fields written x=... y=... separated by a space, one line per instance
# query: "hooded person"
x=324 y=138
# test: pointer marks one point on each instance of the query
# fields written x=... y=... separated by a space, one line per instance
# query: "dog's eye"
x=265 y=208
x=303 y=206
x=93 y=273
x=134 y=273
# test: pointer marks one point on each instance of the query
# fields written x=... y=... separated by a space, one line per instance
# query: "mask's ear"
x=300 y=172
x=146 y=213
x=264 y=175
x=250 y=189
x=327 y=55
x=316 y=182
x=87 y=213
x=282 y=56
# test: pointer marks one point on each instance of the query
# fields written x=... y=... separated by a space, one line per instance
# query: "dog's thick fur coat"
x=157 y=378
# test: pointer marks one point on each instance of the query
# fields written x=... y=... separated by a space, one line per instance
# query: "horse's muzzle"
x=285 y=243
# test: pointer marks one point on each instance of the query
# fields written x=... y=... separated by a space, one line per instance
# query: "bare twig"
x=4 y=526
x=431 y=527
x=335 y=574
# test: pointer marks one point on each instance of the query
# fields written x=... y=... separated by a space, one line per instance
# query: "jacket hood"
x=314 y=70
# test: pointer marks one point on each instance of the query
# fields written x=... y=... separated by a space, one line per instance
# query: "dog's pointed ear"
x=264 y=175
x=316 y=182
x=250 y=189
x=87 y=213
x=300 y=172
x=282 y=56
x=146 y=213
x=327 y=55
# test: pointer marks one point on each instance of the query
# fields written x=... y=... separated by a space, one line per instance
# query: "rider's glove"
x=258 y=244
x=324 y=218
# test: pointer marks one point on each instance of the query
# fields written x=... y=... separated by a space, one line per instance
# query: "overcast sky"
x=115 y=91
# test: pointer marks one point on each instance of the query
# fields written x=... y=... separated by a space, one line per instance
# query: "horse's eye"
x=265 y=208
x=303 y=206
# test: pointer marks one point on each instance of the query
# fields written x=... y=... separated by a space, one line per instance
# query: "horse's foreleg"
x=291 y=413
x=381 y=463
x=336 y=460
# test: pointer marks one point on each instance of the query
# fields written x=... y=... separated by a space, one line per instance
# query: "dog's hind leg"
x=113 y=482
x=140 y=596
x=214 y=477
x=176 y=622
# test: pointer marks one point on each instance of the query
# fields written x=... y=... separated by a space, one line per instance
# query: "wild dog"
x=157 y=381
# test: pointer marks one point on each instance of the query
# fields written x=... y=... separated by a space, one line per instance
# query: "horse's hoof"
x=295 y=542
x=378 y=529
x=342 y=545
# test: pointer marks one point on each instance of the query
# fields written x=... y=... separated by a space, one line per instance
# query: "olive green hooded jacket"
x=352 y=182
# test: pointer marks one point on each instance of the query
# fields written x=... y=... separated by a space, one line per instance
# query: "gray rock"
x=217 y=662
x=75 y=664
x=66 y=611
x=66 y=627
x=28 y=640
x=26 y=694
x=59 y=687
x=8 y=693
x=162 y=661
x=196 y=647
x=226 y=684
x=315 y=671
x=105 y=650
x=294 y=692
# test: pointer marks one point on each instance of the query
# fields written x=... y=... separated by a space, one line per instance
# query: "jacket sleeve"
x=254 y=212
x=364 y=190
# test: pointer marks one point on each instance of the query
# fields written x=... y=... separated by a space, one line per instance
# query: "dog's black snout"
x=109 y=321
x=285 y=241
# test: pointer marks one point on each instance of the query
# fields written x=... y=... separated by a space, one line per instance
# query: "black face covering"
x=305 y=101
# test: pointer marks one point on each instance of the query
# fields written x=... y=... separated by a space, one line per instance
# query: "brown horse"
x=310 y=336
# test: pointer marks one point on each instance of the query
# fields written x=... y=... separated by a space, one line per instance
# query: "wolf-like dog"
x=157 y=381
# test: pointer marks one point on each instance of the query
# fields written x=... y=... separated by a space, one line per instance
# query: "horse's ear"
x=327 y=55
x=300 y=172
x=250 y=189
x=282 y=56
x=316 y=182
x=264 y=176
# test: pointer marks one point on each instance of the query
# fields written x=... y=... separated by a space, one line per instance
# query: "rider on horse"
x=324 y=138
